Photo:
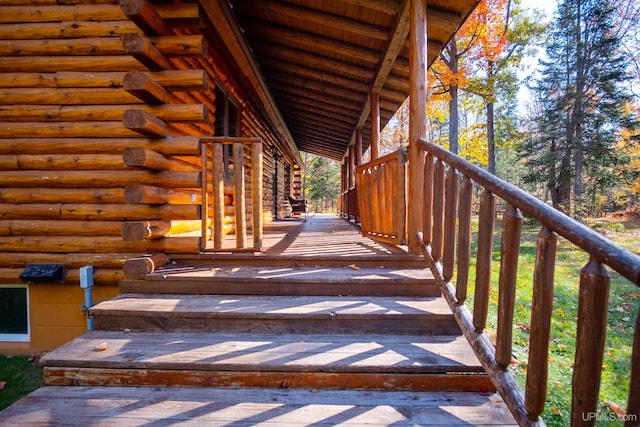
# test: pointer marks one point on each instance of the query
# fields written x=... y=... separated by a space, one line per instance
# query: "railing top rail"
x=602 y=249
x=380 y=160
x=229 y=139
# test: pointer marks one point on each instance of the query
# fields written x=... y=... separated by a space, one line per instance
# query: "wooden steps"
x=275 y=314
x=278 y=280
x=204 y=406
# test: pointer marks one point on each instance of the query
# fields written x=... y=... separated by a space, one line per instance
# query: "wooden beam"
x=144 y=51
x=138 y=268
x=153 y=195
x=144 y=88
x=66 y=29
x=145 y=124
x=11 y=64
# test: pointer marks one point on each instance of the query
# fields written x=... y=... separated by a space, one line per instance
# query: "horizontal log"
x=138 y=268
x=152 y=195
x=172 y=113
x=66 y=130
x=66 y=244
x=70 y=96
x=109 y=260
x=143 y=87
x=99 y=12
x=173 y=46
x=34 y=227
x=62 y=195
x=149 y=159
x=145 y=52
x=33 y=64
x=171 y=80
x=182 y=146
x=101 y=276
x=145 y=124
x=141 y=230
x=143 y=14
x=98 y=179
x=66 y=29
x=100 y=212
x=63 y=162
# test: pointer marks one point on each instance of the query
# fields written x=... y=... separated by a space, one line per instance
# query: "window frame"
x=5 y=337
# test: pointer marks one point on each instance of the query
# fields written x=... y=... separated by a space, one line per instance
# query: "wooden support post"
x=417 y=116
x=358 y=148
x=143 y=14
x=511 y=230
x=145 y=124
x=145 y=52
x=143 y=87
x=352 y=166
x=486 y=225
x=138 y=268
x=593 y=303
x=427 y=212
x=256 y=192
x=438 y=210
x=541 y=312
x=374 y=149
x=464 y=239
x=239 y=201
x=450 y=215
x=218 y=196
x=633 y=402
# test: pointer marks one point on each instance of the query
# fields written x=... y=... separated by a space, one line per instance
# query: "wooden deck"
x=323 y=328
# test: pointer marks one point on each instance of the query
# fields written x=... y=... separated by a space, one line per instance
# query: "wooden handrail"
x=446 y=199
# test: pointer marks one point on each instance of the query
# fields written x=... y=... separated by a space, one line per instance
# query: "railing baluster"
x=464 y=239
x=438 y=210
x=257 y=170
x=591 y=331
x=486 y=224
x=239 y=202
x=204 y=195
x=427 y=221
x=633 y=403
x=541 y=312
x=400 y=202
x=218 y=196
x=452 y=187
x=511 y=230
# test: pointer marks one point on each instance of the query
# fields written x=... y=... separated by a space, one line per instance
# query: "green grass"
x=623 y=310
x=21 y=374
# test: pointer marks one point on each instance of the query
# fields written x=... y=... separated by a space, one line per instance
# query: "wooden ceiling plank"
x=390 y=7
x=316 y=87
x=311 y=97
x=324 y=19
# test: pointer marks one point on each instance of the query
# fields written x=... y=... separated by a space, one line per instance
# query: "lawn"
x=623 y=310
x=19 y=376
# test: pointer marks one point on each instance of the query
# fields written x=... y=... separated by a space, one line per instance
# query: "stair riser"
x=278 y=288
x=407 y=325
x=389 y=261
x=283 y=380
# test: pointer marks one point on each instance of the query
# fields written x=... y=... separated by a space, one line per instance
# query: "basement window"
x=14 y=313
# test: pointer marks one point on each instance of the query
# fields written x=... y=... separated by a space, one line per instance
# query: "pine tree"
x=583 y=105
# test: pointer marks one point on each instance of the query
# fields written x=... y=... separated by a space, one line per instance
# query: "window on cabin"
x=14 y=313
x=227 y=123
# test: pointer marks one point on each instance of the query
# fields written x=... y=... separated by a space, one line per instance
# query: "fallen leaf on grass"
x=2 y=384
x=620 y=412
x=556 y=411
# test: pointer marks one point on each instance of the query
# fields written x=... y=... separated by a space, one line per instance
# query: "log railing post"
x=239 y=202
x=438 y=210
x=541 y=312
x=450 y=215
x=593 y=303
x=218 y=196
x=427 y=233
x=633 y=402
x=510 y=249
x=464 y=239
x=486 y=224
x=257 y=169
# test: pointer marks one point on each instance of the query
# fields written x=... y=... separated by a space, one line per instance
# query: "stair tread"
x=248 y=406
x=236 y=306
x=268 y=352
x=350 y=274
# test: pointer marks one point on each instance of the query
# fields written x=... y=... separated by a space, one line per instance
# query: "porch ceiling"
x=321 y=59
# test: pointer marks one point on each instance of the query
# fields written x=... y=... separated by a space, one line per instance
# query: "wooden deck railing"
x=447 y=200
x=381 y=197
x=213 y=164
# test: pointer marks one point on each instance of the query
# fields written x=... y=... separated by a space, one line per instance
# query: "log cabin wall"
x=101 y=107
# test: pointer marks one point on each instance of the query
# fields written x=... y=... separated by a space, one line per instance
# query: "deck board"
x=276 y=353
x=135 y=406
